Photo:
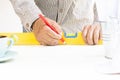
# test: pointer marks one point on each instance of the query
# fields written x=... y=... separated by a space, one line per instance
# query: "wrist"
x=33 y=24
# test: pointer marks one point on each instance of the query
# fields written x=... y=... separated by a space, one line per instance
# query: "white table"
x=55 y=63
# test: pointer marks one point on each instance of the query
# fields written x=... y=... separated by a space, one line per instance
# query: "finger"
x=52 y=34
x=45 y=38
x=90 y=35
x=98 y=25
x=41 y=37
x=50 y=41
x=84 y=33
x=96 y=35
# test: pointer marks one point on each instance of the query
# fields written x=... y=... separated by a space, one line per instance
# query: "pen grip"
x=50 y=26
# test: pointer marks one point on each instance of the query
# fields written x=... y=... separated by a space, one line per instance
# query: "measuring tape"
x=29 y=38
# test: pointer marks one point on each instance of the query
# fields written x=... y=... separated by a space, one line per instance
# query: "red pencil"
x=50 y=26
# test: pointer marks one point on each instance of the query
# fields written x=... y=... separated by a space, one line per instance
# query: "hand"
x=44 y=34
x=92 y=34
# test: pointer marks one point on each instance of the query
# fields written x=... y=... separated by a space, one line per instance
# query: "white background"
x=108 y=8
x=56 y=63
x=9 y=22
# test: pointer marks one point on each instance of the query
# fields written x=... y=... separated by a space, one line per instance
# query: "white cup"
x=110 y=30
x=5 y=44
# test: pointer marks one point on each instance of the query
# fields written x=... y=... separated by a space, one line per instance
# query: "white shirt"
x=71 y=15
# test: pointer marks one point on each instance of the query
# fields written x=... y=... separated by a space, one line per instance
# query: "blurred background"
x=10 y=22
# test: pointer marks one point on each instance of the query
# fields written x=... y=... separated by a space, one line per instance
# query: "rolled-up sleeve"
x=28 y=12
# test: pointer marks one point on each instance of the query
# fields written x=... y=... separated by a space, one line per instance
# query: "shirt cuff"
x=29 y=18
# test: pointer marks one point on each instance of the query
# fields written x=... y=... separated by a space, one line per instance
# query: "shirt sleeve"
x=28 y=12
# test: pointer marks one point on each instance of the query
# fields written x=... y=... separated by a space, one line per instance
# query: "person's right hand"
x=44 y=34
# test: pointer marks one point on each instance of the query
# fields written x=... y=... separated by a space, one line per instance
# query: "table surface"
x=67 y=62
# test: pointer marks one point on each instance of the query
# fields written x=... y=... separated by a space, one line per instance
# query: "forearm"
x=27 y=10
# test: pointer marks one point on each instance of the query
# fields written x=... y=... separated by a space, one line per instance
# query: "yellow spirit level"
x=29 y=38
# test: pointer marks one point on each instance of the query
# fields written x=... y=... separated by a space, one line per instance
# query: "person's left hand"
x=92 y=34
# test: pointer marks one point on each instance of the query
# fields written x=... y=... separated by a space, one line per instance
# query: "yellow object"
x=29 y=38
